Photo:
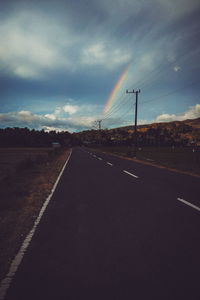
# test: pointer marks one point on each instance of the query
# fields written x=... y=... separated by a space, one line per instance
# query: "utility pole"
x=136 y=108
x=99 y=121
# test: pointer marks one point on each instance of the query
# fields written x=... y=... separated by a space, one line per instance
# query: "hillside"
x=195 y=123
x=176 y=133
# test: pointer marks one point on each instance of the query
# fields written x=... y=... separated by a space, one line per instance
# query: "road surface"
x=114 y=229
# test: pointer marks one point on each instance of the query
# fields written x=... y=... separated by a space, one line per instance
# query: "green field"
x=181 y=158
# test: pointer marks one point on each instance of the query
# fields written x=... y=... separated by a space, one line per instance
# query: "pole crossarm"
x=133 y=91
x=99 y=123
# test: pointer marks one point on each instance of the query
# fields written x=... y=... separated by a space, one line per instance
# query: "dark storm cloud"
x=63 y=84
x=138 y=24
x=183 y=31
x=80 y=14
x=78 y=49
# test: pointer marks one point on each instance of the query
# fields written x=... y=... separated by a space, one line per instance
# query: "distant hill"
x=183 y=133
x=194 y=123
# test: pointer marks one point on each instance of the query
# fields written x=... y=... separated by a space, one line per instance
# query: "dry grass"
x=23 y=190
x=179 y=158
x=13 y=158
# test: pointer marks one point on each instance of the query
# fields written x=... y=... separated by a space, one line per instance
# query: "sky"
x=65 y=64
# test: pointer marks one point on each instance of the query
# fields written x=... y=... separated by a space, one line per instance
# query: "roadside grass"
x=24 y=187
x=180 y=158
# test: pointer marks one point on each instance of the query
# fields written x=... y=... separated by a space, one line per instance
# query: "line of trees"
x=168 y=134
x=24 y=137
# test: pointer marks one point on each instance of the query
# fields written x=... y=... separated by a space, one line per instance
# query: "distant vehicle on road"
x=55 y=145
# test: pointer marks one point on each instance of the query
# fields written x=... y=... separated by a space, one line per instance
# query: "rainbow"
x=115 y=90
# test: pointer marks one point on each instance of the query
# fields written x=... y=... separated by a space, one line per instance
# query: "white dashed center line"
x=99 y=158
x=189 y=204
x=108 y=163
x=130 y=174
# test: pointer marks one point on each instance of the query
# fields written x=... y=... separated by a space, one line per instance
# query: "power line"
x=97 y=124
x=119 y=119
x=116 y=106
x=143 y=82
x=116 y=109
x=170 y=93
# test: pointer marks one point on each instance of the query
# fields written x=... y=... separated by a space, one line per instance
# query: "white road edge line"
x=108 y=163
x=130 y=174
x=5 y=283
x=189 y=204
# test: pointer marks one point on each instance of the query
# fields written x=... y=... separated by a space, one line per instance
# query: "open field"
x=185 y=159
x=26 y=179
x=12 y=159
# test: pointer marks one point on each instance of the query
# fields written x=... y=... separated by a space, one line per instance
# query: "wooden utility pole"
x=99 y=121
x=136 y=109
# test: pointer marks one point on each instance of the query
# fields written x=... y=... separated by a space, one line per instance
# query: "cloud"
x=70 y=109
x=32 y=46
x=58 y=129
x=36 y=121
x=143 y=122
x=100 y=54
x=56 y=120
x=36 y=43
x=50 y=116
x=176 y=68
x=176 y=8
x=192 y=113
x=27 y=51
x=52 y=50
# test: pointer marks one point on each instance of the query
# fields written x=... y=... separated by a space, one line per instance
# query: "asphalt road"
x=114 y=229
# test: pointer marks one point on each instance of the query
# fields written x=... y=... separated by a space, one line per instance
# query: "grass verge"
x=22 y=195
x=186 y=160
